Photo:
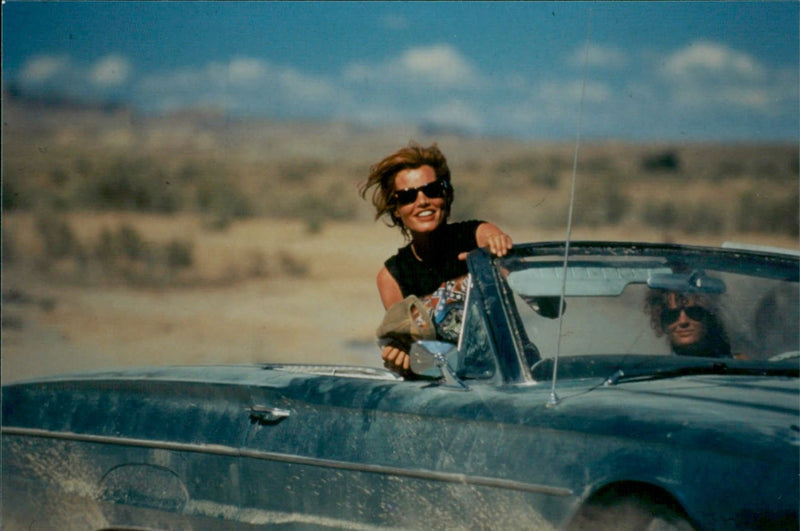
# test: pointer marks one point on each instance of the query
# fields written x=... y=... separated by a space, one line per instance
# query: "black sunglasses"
x=432 y=190
x=695 y=313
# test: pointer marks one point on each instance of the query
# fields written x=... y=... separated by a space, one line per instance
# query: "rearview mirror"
x=695 y=282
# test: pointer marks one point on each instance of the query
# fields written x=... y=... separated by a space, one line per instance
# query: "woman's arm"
x=390 y=293
x=388 y=288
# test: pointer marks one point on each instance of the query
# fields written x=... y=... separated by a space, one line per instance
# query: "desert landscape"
x=133 y=240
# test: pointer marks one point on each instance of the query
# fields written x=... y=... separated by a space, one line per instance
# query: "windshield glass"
x=668 y=305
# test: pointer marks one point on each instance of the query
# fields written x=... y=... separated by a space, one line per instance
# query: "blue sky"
x=654 y=70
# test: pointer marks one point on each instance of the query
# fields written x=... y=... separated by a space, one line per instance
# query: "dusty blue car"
x=630 y=386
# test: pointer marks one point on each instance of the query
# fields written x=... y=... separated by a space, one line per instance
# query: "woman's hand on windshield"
x=499 y=244
x=493 y=238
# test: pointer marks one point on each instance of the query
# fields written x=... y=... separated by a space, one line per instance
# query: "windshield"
x=670 y=305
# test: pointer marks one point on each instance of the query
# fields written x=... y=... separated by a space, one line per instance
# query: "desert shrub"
x=124 y=254
x=130 y=184
x=217 y=197
x=528 y=170
x=664 y=161
x=59 y=240
x=550 y=215
x=189 y=172
x=222 y=201
x=663 y=215
x=104 y=248
x=292 y=266
x=770 y=168
x=144 y=185
x=59 y=176
x=179 y=254
x=300 y=171
x=601 y=205
x=82 y=166
x=597 y=165
x=125 y=244
x=546 y=179
x=315 y=222
x=516 y=165
x=339 y=202
x=257 y=265
x=9 y=247
x=728 y=169
x=315 y=207
x=761 y=212
x=132 y=244
x=700 y=218
x=15 y=196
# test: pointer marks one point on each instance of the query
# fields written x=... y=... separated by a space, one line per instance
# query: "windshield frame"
x=761 y=264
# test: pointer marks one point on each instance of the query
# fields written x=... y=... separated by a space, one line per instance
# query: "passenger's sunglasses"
x=695 y=313
x=432 y=190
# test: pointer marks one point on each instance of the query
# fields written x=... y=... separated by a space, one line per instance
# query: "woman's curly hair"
x=382 y=176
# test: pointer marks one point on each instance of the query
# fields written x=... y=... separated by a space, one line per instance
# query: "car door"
x=344 y=452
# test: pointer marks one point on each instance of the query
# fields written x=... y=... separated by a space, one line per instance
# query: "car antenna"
x=554 y=400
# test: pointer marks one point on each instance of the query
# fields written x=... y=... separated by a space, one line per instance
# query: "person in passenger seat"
x=690 y=323
x=413 y=191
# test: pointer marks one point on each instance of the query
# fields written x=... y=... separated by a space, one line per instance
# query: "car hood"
x=726 y=413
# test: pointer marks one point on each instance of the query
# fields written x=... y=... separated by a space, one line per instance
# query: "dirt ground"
x=326 y=315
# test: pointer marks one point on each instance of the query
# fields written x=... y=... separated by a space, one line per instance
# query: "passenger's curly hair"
x=382 y=176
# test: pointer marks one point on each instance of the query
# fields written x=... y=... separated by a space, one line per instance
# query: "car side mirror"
x=429 y=358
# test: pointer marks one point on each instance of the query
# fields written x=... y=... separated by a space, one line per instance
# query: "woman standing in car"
x=413 y=190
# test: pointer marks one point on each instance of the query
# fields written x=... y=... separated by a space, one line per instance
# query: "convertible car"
x=626 y=386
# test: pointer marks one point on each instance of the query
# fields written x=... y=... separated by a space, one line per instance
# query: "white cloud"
x=246 y=71
x=705 y=58
x=457 y=114
x=756 y=98
x=707 y=75
x=442 y=63
x=61 y=74
x=44 y=68
x=307 y=88
x=177 y=80
x=112 y=70
x=439 y=65
x=570 y=92
x=599 y=56
x=242 y=83
x=239 y=72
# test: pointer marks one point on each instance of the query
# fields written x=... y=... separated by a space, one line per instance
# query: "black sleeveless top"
x=422 y=278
